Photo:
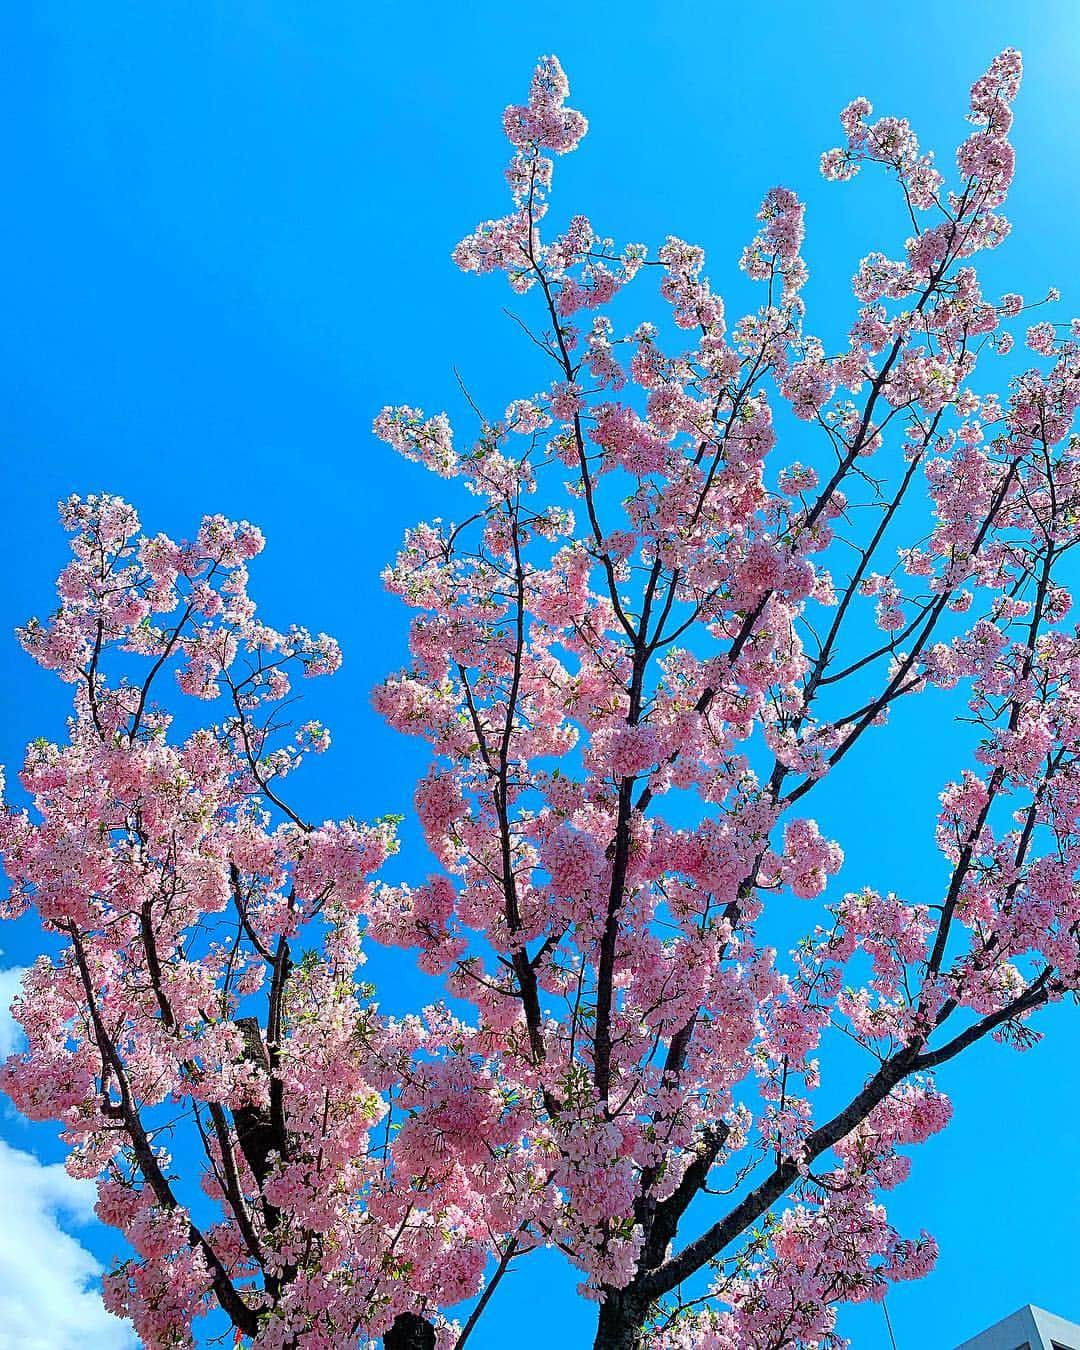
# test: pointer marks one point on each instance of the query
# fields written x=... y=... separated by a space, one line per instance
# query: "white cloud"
x=11 y=1036
x=49 y=1291
x=50 y=1295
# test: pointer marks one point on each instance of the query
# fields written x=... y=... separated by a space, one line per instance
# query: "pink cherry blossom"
x=649 y=639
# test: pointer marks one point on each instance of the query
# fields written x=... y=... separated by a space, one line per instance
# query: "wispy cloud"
x=49 y=1283
x=49 y=1293
x=10 y=1031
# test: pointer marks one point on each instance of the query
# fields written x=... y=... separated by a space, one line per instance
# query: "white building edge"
x=1028 y=1329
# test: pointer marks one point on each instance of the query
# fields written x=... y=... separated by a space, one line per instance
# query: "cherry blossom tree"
x=652 y=604
x=650 y=638
x=232 y=1091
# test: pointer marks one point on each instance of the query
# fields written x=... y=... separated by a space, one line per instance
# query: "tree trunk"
x=622 y=1316
x=410 y=1332
x=254 y=1130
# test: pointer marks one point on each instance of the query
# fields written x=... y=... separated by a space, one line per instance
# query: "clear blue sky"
x=225 y=233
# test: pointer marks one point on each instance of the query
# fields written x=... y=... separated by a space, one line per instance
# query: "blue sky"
x=226 y=230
